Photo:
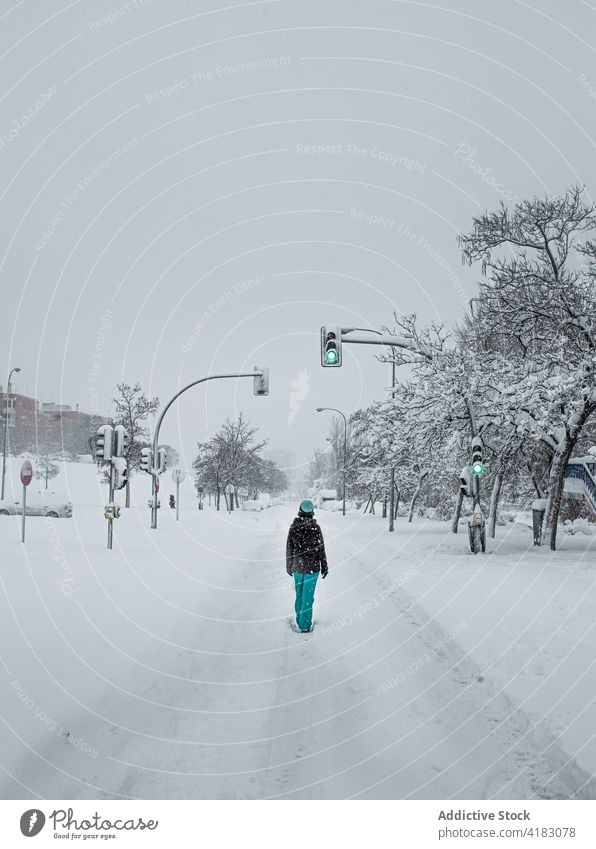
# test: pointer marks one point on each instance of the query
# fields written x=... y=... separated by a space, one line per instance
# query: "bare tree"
x=46 y=468
x=133 y=409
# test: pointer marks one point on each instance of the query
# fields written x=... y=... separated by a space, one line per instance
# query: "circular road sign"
x=26 y=473
x=178 y=476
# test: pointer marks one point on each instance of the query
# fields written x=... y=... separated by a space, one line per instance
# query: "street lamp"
x=335 y=410
x=6 y=427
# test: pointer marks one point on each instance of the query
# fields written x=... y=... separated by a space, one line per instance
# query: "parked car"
x=252 y=505
x=54 y=506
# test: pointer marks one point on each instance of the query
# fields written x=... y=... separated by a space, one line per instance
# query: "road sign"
x=26 y=477
x=178 y=476
x=230 y=488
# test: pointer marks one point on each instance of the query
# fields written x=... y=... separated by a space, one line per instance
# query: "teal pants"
x=305 y=594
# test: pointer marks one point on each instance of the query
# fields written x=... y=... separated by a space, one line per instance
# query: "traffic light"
x=331 y=345
x=121 y=441
x=146 y=459
x=465 y=479
x=477 y=467
x=103 y=443
x=120 y=472
x=111 y=511
x=261 y=382
x=162 y=459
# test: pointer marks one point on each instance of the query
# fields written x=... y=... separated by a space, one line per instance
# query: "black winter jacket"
x=305 y=549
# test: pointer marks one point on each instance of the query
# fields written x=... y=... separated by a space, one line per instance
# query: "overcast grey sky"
x=195 y=187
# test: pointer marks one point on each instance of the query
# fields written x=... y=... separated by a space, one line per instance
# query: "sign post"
x=230 y=497
x=26 y=478
x=177 y=477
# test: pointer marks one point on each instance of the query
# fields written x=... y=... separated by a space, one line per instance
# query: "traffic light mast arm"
x=189 y=386
x=359 y=336
x=252 y=374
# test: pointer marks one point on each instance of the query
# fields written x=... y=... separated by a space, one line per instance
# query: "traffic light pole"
x=111 y=501
x=154 y=472
x=359 y=336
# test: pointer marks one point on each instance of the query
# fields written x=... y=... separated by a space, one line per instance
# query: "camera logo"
x=32 y=822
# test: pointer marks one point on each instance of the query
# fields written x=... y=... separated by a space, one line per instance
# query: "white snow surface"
x=166 y=668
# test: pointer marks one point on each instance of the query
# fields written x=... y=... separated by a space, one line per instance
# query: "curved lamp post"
x=335 y=410
x=6 y=426
x=10 y=374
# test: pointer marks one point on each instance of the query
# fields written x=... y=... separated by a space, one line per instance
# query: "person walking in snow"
x=305 y=559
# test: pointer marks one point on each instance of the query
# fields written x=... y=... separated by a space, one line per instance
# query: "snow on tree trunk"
x=421 y=476
x=457 y=512
x=494 y=503
x=536 y=484
x=556 y=477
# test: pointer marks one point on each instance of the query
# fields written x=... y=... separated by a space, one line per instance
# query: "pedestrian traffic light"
x=162 y=460
x=465 y=482
x=261 y=382
x=146 y=459
x=331 y=345
x=111 y=511
x=120 y=472
x=121 y=441
x=477 y=467
x=103 y=443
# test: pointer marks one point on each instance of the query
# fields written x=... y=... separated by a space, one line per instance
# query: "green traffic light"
x=478 y=469
x=331 y=356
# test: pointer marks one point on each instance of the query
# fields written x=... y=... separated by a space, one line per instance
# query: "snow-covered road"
x=170 y=671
